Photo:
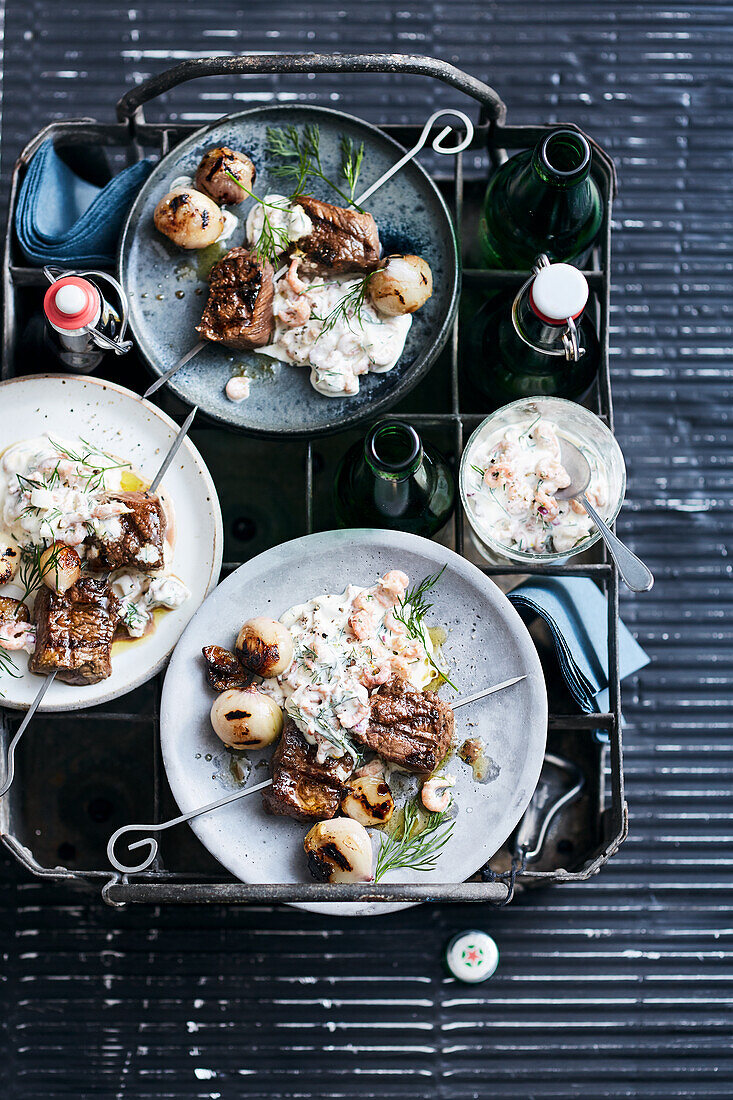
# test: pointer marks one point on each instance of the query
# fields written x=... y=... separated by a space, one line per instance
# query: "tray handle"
x=129 y=107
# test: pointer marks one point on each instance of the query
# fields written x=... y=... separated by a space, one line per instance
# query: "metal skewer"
x=438 y=147
x=130 y=869
x=10 y=762
x=169 y=373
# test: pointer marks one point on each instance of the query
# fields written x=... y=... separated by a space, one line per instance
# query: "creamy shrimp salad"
x=345 y=646
x=511 y=486
x=326 y=323
x=53 y=490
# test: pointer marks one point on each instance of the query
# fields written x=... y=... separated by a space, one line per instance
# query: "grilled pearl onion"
x=9 y=559
x=214 y=175
x=264 y=646
x=402 y=285
x=244 y=718
x=368 y=800
x=60 y=567
x=189 y=218
x=339 y=851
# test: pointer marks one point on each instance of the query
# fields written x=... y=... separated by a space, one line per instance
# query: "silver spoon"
x=632 y=570
x=152 y=843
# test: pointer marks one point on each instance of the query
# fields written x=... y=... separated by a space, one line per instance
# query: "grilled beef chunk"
x=140 y=542
x=74 y=631
x=239 y=310
x=301 y=787
x=340 y=241
x=223 y=670
x=411 y=728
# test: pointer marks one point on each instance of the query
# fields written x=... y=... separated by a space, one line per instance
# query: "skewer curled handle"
x=152 y=843
x=129 y=107
x=438 y=146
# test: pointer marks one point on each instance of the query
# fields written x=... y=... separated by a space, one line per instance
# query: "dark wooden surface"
x=621 y=987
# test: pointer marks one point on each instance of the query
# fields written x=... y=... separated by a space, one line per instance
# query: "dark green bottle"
x=537 y=342
x=392 y=479
x=542 y=200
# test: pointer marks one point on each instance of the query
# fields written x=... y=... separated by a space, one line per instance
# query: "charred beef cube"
x=301 y=787
x=74 y=632
x=340 y=241
x=407 y=727
x=239 y=310
x=137 y=537
x=223 y=670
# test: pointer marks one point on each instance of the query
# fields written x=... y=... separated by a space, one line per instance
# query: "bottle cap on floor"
x=472 y=956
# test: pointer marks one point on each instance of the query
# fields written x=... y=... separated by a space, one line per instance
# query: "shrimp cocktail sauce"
x=346 y=645
x=85 y=556
x=303 y=281
x=514 y=475
x=341 y=686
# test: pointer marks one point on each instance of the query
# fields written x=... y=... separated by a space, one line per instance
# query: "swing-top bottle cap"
x=71 y=303
x=559 y=291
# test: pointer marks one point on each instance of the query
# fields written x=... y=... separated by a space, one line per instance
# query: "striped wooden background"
x=622 y=987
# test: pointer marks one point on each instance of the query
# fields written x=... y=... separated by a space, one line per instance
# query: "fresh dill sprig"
x=478 y=470
x=351 y=161
x=273 y=239
x=411 y=613
x=8 y=667
x=30 y=570
x=300 y=153
x=95 y=480
x=349 y=307
x=406 y=848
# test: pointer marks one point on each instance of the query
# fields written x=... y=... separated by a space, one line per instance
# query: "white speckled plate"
x=487 y=643
x=119 y=422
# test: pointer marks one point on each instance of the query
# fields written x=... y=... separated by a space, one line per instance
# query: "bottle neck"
x=554 y=188
x=393 y=451
x=544 y=336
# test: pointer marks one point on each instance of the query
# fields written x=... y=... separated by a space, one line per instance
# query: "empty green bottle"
x=392 y=479
x=542 y=200
x=537 y=342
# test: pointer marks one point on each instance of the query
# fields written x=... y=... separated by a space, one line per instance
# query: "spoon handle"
x=632 y=570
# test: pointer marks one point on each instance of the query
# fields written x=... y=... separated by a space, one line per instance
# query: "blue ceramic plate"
x=167 y=285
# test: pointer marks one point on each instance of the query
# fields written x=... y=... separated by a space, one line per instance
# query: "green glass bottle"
x=537 y=342
x=542 y=200
x=392 y=479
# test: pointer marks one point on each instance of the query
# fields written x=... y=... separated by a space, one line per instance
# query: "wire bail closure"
x=115 y=343
x=570 y=344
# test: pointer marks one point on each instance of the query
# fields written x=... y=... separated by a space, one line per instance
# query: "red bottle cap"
x=559 y=291
x=71 y=303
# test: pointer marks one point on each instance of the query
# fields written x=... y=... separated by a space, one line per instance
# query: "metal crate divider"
x=496 y=882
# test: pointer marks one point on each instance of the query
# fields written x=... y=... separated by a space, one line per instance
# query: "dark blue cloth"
x=61 y=218
x=576 y=613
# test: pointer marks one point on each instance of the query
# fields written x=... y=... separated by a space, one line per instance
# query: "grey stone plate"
x=487 y=643
x=166 y=285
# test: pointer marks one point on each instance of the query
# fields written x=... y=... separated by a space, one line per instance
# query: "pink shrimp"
x=546 y=505
x=17 y=636
x=293 y=281
x=109 y=510
x=392 y=587
x=361 y=625
x=577 y=507
x=378 y=675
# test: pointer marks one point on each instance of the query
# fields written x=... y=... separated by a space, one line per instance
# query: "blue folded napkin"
x=576 y=613
x=60 y=218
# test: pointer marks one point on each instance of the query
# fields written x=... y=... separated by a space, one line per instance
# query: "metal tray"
x=82 y=776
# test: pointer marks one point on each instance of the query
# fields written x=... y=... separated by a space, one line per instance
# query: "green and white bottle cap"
x=472 y=956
